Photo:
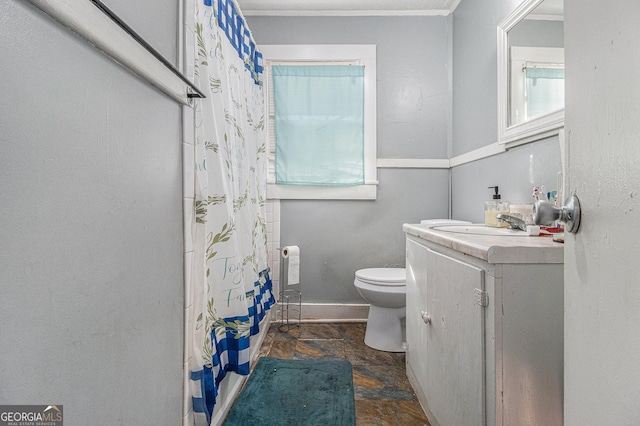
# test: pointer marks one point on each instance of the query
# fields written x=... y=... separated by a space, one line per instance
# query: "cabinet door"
x=416 y=327
x=455 y=360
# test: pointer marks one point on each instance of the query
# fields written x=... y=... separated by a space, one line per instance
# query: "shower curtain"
x=231 y=284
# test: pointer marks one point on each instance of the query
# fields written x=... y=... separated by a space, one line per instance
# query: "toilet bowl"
x=385 y=290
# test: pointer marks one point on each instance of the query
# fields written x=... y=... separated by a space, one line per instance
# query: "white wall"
x=91 y=293
x=602 y=295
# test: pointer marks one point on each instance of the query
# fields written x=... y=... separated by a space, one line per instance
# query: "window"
x=354 y=176
x=319 y=123
x=544 y=89
x=537 y=82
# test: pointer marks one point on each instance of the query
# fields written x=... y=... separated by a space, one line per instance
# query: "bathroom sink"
x=480 y=230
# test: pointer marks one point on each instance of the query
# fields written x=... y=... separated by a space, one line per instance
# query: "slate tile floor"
x=382 y=391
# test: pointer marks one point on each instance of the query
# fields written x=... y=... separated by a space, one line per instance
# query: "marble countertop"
x=493 y=249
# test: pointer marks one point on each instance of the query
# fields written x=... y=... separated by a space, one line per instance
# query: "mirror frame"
x=528 y=131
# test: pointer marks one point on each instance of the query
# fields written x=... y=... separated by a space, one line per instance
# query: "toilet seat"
x=382 y=276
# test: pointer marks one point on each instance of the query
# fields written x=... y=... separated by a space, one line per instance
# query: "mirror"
x=531 y=72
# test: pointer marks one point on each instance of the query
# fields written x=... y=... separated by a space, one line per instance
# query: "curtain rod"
x=101 y=27
x=115 y=18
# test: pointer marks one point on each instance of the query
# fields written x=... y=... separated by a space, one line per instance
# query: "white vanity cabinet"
x=485 y=339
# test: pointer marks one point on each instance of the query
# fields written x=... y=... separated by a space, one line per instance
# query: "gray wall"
x=413 y=69
x=518 y=170
x=475 y=109
x=91 y=298
x=158 y=26
x=537 y=33
x=337 y=238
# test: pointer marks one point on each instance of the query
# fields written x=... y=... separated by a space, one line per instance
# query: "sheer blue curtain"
x=319 y=123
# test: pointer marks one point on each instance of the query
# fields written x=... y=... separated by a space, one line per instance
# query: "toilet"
x=385 y=290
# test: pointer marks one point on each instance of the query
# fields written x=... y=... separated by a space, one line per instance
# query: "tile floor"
x=382 y=391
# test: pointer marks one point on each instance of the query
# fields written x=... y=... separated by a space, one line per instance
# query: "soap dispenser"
x=494 y=207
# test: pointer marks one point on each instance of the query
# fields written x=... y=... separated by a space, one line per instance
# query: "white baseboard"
x=329 y=312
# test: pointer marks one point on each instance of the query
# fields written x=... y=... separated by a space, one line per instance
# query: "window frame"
x=297 y=54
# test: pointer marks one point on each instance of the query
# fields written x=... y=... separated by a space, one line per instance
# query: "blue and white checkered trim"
x=204 y=385
x=231 y=351
x=232 y=23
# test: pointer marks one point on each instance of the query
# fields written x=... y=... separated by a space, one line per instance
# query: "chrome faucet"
x=514 y=222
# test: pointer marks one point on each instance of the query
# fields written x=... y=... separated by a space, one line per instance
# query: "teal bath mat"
x=296 y=392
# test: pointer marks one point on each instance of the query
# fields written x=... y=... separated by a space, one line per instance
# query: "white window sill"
x=301 y=192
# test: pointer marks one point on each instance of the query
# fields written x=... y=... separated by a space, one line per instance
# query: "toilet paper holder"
x=290 y=298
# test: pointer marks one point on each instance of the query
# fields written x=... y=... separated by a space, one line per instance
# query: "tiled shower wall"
x=188 y=221
x=188 y=179
x=273 y=242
